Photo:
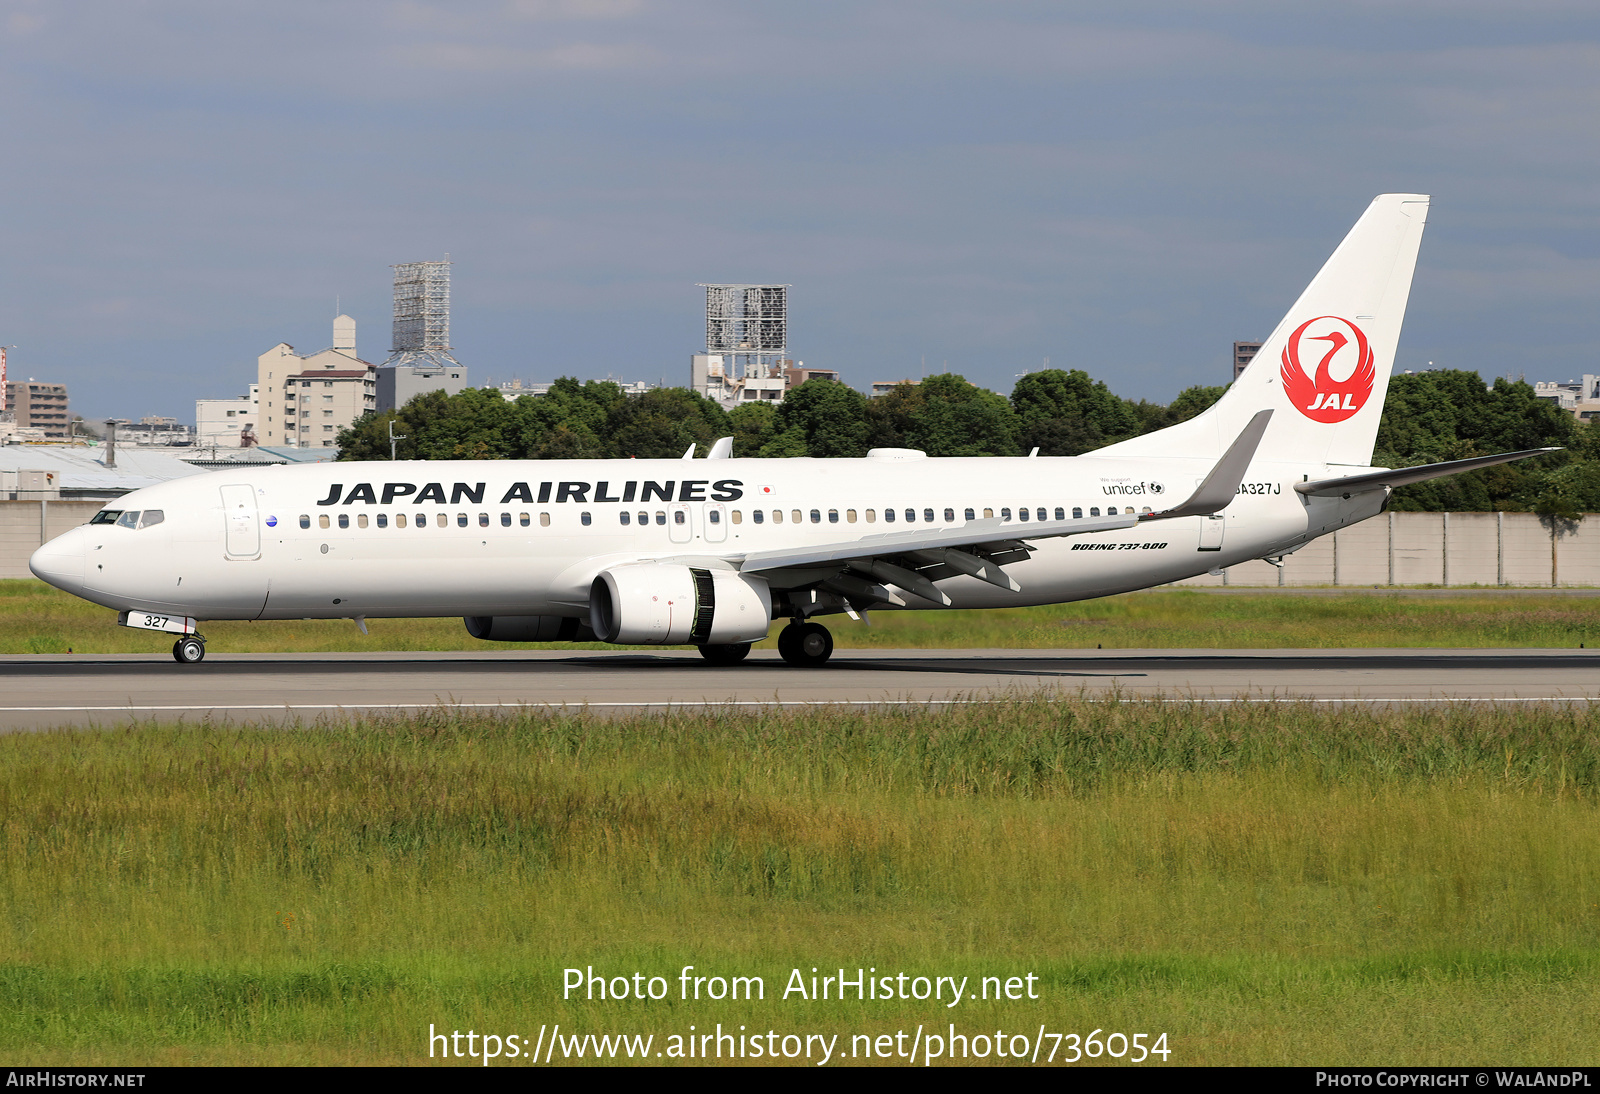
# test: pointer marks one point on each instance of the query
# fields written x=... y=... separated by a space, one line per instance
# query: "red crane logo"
x=1321 y=397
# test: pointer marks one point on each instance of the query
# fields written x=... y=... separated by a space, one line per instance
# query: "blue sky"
x=1123 y=188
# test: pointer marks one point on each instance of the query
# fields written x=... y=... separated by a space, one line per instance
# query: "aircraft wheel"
x=730 y=654
x=806 y=644
x=190 y=650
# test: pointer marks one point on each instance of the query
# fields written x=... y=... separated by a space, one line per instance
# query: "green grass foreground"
x=36 y=618
x=1264 y=884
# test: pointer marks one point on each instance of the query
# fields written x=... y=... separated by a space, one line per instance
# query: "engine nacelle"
x=669 y=604
x=528 y=628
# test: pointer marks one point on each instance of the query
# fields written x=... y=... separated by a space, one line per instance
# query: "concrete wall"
x=24 y=525
x=1437 y=549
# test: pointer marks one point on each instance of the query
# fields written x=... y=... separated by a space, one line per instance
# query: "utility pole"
x=393 y=440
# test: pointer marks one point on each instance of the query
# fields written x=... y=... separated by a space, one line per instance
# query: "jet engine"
x=528 y=628
x=655 y=603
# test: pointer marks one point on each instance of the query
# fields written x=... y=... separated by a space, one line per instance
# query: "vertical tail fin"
x=1325 y=369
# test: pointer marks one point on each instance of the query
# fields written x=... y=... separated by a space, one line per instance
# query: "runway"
x=50 y=690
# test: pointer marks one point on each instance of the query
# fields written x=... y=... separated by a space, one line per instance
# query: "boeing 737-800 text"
x=709 y=552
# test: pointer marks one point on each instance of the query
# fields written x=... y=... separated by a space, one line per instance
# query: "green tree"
x=956 y=418
x=827 y=419
x=660 y=424
x=752 y=427
x=1067 y=413
x=1449 y=414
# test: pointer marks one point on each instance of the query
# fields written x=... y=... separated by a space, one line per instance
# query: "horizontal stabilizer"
x=1404 y=476
x=1222 y=484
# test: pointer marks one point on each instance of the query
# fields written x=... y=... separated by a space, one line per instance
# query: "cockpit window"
x=106 y=516
x=129 y=519
x=151 y=516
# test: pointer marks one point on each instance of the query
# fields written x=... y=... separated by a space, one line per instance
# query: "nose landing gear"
x=189 y=650
x=808 y=645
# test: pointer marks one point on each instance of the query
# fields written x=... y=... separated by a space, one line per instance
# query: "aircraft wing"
x=1404 y=476
x=914 y=559
x=974 y=533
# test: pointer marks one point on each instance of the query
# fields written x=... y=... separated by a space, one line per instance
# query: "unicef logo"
x=1155 y=487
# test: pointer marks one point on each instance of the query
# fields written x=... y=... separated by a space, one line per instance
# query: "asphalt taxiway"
x=38 y=691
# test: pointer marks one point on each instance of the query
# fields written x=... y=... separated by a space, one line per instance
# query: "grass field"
x=36 y=618
x=1262 y=884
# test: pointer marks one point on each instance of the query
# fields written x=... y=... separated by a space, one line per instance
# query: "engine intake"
x=665 y=604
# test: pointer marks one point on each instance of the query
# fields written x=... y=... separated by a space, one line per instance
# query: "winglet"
x=722 y=450
x=1222 y=484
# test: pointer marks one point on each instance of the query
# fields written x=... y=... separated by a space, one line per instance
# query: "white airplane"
x=709 y=552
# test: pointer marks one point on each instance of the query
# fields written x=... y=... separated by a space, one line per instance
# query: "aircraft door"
x=242 y=523
x=1211 y=529
x=679 y=526
x=716 y=518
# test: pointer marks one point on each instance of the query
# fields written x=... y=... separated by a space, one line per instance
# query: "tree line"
x=1429 y=417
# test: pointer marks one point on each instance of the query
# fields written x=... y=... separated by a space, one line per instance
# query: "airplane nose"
x=60 y=562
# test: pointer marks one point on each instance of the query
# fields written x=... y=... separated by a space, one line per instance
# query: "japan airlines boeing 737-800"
x=709 y=552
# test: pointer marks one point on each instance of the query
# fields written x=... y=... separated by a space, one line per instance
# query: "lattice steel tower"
x=422 y=314
x=749 y=326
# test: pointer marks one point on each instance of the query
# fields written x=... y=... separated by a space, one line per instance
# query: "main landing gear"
x=189 y=650
x=808 y=645
x=730 y=654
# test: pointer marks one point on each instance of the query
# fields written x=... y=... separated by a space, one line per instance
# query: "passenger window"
x=758 y=515
x=971 y=515
x=738 y=517
x=344 y=520
x=544 y=520
x=461 y=520
x=1061 y=514
x=888 y=516
x=661 y=517
x=522 y=519
x=151 y=516
x=1040 y=515
x=850 y=516
x=911 y=516
x=483 y=520
x=833 y=516
x=443 y=520
x=583 y=518
x=678 y=516
x=872 y=516
x=322 y=520
x=1077 y=513
x=949 y=514
x=1005 y=514
x=422 y=520
x=644 y=518
x=399 y=520
x=361 y=520
x=627 y=518
x=130 y=519
x=927 y=515
x=305 y=520
x=714 y=517
x=777 y=516
x=505 y=520
x=794 y=515
x=1094 y=511
x=988 y=514
x=383 y=520
x=816 y=516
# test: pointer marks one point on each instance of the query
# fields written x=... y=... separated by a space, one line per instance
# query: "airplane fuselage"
x=527 y=538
